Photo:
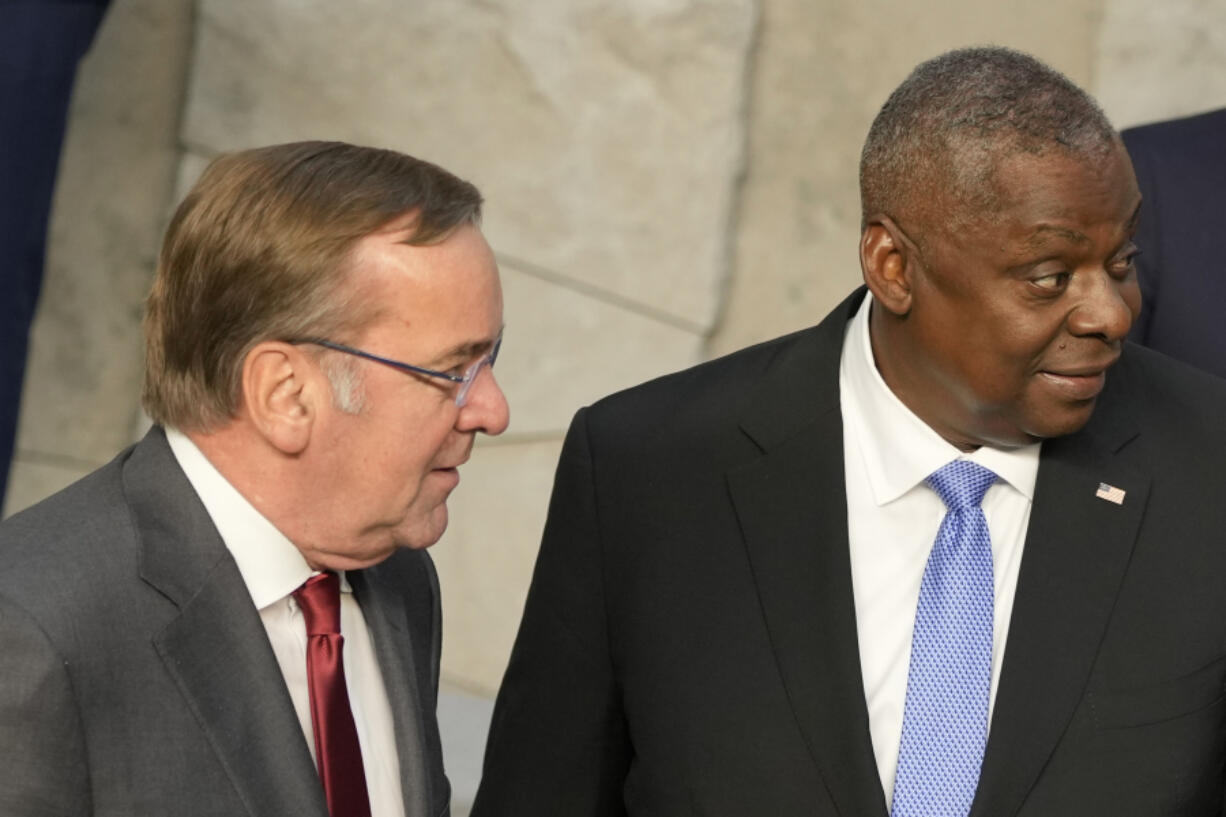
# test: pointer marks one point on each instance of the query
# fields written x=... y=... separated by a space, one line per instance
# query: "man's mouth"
x=453 y=466
x=450 y=476
x=451 y=469
x=1079 y=383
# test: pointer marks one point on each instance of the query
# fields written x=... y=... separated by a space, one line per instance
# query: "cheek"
x=424 y=448
x=1001 y=370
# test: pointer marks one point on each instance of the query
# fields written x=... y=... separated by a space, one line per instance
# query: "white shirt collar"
x=271 y=566
x=899 y=449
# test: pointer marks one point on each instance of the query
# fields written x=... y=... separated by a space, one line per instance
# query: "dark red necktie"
x=336 y=738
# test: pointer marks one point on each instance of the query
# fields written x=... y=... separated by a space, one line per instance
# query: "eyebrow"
x=465 y=351
x=1043 y=230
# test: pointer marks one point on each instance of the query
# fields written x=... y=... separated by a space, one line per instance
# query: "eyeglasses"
x=466 y=380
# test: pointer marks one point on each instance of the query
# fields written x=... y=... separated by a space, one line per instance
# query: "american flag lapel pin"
x=1110 y=493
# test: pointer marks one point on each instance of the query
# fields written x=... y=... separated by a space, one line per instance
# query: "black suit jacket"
x=1181 y=170
x=689 y=644
x=136 y=677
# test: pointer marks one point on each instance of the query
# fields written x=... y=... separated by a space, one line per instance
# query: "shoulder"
x=704 y=382
x=693 y=415
x=718 y=412
x=59 y=554
x=1203 y=134
x=55 y=529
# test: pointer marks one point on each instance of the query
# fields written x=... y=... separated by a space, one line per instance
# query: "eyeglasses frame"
x=466 y=380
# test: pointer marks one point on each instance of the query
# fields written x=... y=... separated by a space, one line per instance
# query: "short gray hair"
x=345 y=378
x=945 y=128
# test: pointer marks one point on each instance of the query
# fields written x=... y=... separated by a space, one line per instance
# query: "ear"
x=888 y=260
x=281 y=394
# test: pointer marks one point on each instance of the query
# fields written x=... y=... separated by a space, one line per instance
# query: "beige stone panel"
x=564 y=349
x=485 y=558
x=191 y=166
x=32 y=479
x=116 y=175
x=821 y=72
x=463 y=723
x=1161 y=60
x=607 y=135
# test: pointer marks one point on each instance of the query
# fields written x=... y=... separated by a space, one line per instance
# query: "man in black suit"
x=244 y=596
x=1181 y=170
x=760 y=591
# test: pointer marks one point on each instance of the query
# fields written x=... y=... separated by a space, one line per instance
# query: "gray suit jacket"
x=136 y=677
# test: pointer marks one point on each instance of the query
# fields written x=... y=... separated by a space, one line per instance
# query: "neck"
x=910 y=380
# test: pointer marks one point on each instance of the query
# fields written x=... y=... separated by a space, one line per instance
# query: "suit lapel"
x=791 y=503
x=792 y=506
x=389 y=628
x=224 y=667
x=216 y=649
x=1077 y=550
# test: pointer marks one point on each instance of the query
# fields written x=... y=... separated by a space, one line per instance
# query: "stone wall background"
x=667 y=180
x=117 y=172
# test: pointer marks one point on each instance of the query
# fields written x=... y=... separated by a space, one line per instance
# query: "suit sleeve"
x=43 y=771
x=558 y=743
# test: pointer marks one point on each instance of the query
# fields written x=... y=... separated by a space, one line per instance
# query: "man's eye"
x=1052 y=281
x=1123 y=267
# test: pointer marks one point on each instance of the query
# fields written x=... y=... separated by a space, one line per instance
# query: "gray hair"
x=945 y=128
x=345 y=378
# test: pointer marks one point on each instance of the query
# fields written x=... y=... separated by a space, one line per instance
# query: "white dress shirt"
x=272 y=568
x=893 y=519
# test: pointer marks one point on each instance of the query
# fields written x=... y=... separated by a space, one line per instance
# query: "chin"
x=1060 y=422
x=424 y=531
x=1034 y=427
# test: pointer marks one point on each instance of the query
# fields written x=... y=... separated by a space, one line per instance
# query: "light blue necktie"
x=945 y=720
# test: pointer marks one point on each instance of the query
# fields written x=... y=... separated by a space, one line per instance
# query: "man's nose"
x=1107 y=308
x=486 y=409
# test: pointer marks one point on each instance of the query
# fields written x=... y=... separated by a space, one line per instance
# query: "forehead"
x=1037 y=197
x=449 y=287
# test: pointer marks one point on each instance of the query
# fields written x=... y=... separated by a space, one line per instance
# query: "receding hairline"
x=408 y=227
x=409 y=224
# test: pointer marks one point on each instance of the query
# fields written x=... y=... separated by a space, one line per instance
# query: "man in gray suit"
x=319 y=339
